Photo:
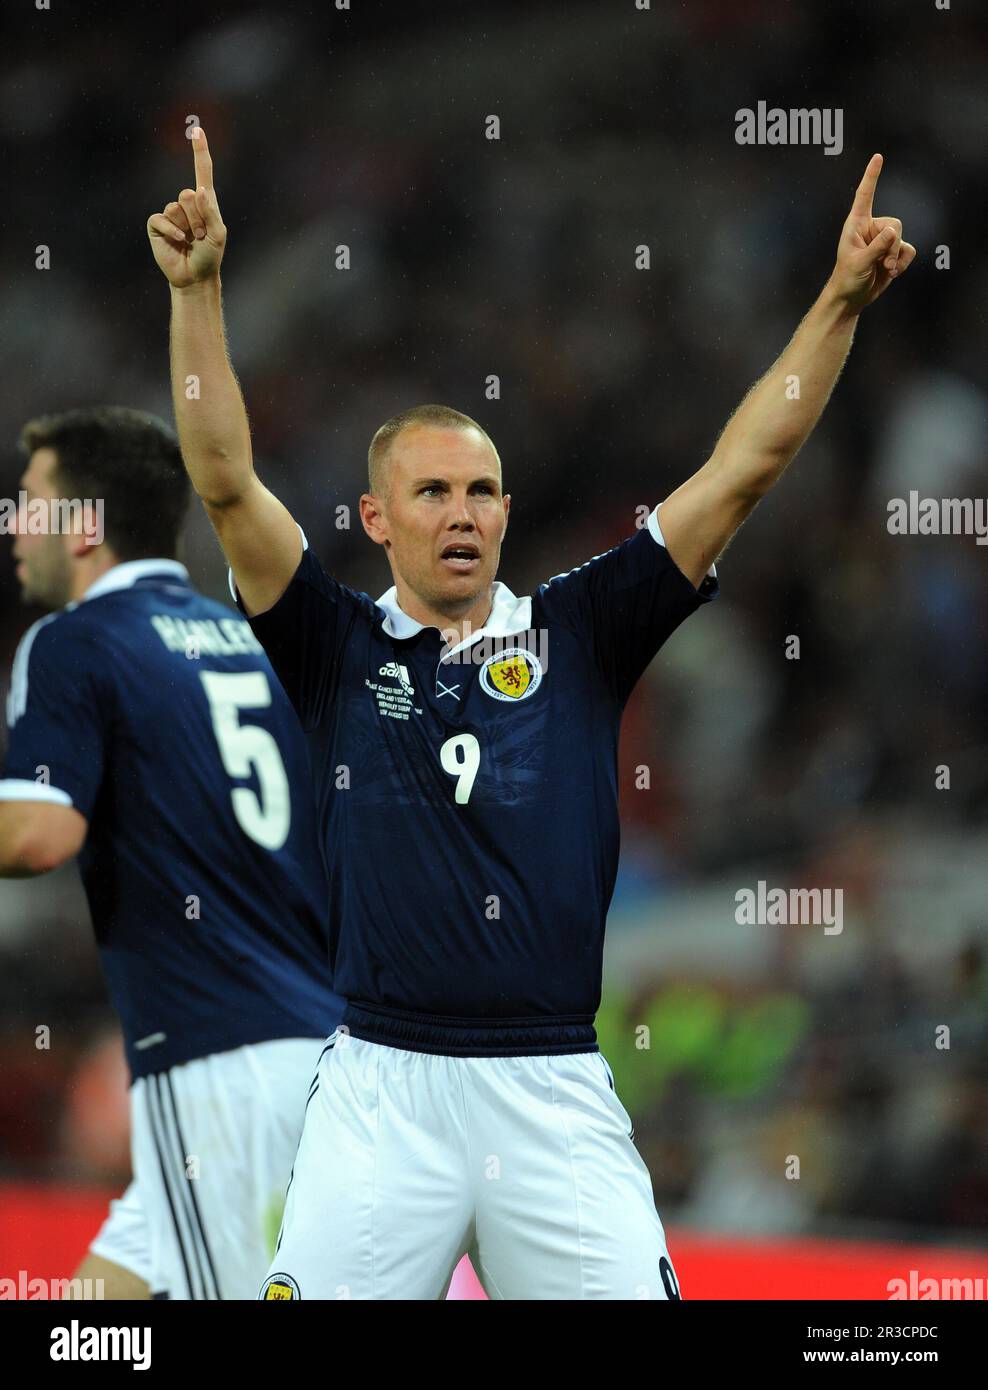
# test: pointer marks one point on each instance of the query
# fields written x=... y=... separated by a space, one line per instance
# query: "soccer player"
x=149 y=736
x=464 y=744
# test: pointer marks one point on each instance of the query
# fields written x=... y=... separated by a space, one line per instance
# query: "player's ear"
x=81 y=546
x=373 y=519
x=507 y=508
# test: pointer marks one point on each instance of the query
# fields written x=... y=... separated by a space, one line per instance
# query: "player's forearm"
x=16 y=861
x=23 y=852
x=780 y=411
x=209 y=408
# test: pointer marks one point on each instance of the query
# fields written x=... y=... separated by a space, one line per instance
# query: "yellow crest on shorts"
x=280 y=1287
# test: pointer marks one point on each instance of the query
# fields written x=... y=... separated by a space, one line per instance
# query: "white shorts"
x=212 y=1143
x=408 y=1161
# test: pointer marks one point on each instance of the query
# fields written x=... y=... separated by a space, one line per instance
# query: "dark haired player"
x=464 y=1105
x=149 y=736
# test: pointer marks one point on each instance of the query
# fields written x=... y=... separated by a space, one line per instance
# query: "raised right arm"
x=257 y=532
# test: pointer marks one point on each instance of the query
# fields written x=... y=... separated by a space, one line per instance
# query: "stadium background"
x=516 y=258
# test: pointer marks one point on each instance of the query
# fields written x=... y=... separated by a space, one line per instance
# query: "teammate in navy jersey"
x=148 y=735
x=464 y=744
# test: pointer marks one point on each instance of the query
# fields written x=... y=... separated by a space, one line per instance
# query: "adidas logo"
x=398 y=673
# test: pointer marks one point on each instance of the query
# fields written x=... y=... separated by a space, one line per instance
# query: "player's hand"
x=189 y=236
x=871 y=252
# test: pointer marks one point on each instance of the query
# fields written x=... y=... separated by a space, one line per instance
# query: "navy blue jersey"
x=155 y=713
x=467 y=797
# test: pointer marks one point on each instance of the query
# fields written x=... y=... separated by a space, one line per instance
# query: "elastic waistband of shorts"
x=471 y=1037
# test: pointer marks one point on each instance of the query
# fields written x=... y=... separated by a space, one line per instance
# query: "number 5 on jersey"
x=243 y=747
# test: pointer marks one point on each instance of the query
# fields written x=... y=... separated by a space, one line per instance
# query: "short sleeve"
x=626 y=602
x=57 y=711
x=305 y=634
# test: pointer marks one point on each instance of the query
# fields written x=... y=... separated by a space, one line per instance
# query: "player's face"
x=44 y=562
x=445 y=515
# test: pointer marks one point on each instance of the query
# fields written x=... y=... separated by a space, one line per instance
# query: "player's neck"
x=86 y=572
x=455 y=622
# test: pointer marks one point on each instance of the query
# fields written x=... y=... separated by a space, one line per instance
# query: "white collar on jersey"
x=126 y=574
x=508 y=615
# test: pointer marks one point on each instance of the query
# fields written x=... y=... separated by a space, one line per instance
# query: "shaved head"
x=443 y=416
x=437 y=507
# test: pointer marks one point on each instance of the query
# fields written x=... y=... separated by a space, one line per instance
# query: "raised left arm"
x=778 y=414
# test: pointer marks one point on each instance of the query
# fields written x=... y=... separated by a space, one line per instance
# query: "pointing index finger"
x=204 y=164
x=866 y=188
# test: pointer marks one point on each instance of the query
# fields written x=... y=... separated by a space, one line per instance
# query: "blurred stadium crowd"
x=515 y=259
